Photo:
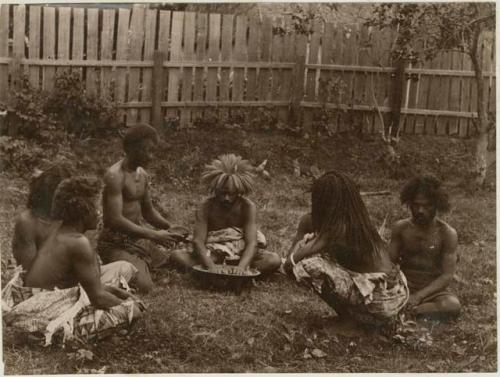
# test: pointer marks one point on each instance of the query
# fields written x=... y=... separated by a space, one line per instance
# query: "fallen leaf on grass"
x=251 y=341
x=82 y=354
x=430 y=368
x=317 y=353
x=288 y=311
x=307 y=354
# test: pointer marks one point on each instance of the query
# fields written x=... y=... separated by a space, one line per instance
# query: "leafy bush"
x=66 y=110
x=81 y=114
x=19 y=155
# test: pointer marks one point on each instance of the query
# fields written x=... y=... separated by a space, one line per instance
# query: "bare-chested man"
x=127 y=203
x=34 y=225
x=426 y=248
x=226 y=228
x=67 y=260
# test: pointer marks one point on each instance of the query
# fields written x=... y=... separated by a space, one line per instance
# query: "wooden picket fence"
x=162 y=65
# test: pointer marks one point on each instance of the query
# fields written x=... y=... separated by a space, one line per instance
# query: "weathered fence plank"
x=78 y=35
x=107 y=38
x=188 y=54
x=135 y=53
x=34 y=43
x=4 y=50
x=199 y=73
x=226 y=55
x=239 y=54
x=174 y=74
x=49 y=46
x=254 y=27
x=121 y=54
x=149 y=48
x=63 y=36
x=265 y=55
x=91 y=53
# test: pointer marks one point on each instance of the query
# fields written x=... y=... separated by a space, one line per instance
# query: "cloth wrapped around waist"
x=109 y=239
x=375 y=295
x=47 y=311
x=230 y=242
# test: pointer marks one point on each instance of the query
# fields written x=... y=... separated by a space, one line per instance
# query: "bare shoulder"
x=25 y=220
x=114 y=175
x=401 y=225
x=447 y=231
x=77 y=244
x=247 y=204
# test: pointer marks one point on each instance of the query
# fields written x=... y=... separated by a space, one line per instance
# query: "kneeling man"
x=226 y=229
x=66 y=288
x=426 y=248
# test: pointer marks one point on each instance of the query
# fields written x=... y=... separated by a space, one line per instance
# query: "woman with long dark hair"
x=345 y=260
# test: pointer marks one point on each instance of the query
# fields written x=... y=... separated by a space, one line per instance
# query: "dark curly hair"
x=430 y=187
x=44 y=185
x=74 y=199
x=136 y=135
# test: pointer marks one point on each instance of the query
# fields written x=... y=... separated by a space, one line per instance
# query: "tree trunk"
x=480 y=166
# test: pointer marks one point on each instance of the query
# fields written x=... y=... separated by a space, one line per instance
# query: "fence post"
x=397 y=95
x=298 y=76
x=157 y=89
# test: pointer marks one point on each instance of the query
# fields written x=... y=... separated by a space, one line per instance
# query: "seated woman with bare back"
x=226 y=228
x=34 y=225
x=67 y=262
x=345 y=260
x=128 y=213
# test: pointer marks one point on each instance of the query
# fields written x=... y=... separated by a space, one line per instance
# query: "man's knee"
x=269 y=262
x=450 y=305
x=126 y=269
x=143 y=282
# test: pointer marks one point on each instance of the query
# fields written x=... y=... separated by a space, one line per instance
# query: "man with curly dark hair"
x=426 y=248
x=66 y=261
x=133 y=228
x=34 y=225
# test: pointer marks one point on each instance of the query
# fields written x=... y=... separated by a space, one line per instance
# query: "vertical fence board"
x=465 y=90
x=213 y=54
x=107 y=37
x=276 y=74
x=199 y=73
x=310 y=92
x=454 y=100
x=163 y=47
x=4 y=50
x=34 y=43
x=175 y=55
x=91 y=53
x=254 y=27
x=286 y=75
x=135 y=53
x=226 y=48
x=149 y=48
x=239 y=55
x=265 y=55
x=300 y=42
x=121 y=54
x=362 y=88
x=49 y=46
x=63 y=35
x=78 y=28
x=18 y=52
x=188 y=54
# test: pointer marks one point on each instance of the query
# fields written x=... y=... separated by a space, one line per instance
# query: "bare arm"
x=249 y=234
x=113 y=206
x=449 y=265
x=23 y=243
x=200 y=236
x=304 y=228
x=86 y=270
x=396 y=244
x=149 y=212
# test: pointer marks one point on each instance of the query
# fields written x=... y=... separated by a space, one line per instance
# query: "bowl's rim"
x=200 y=268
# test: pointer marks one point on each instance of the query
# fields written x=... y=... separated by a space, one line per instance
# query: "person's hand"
x=414 y=300
x=179 y=229
x=166 y=237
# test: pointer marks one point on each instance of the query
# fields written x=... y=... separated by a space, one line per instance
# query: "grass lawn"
x=277 y=326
